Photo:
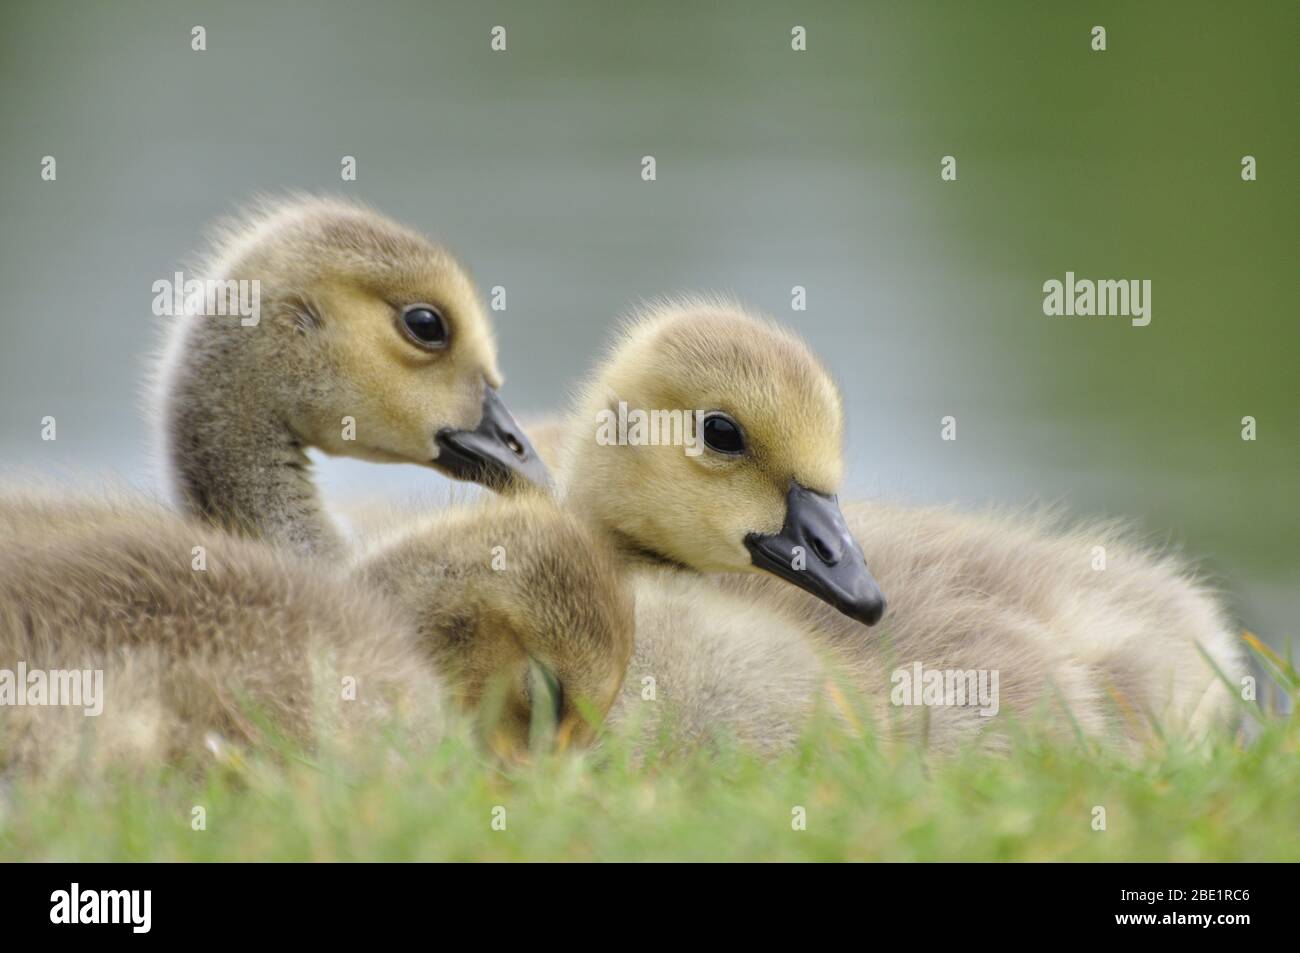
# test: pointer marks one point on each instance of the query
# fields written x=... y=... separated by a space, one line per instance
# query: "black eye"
x=559 y=701
x=555 y=690
x=722 y=434
x=542 y=686
x=425 y=325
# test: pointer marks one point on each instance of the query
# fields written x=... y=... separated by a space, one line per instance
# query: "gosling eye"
x=552 y=690
x=425 y=325
x=559 y=701
x=722 y=434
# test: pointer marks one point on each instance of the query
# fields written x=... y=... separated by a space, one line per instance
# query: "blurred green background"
x=775 y=169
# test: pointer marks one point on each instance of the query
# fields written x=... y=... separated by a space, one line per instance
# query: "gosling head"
x=747 y=481
x=523 y=608
x=370 y=341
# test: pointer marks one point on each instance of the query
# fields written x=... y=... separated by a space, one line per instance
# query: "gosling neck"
x=580 y=498
x=236 y=462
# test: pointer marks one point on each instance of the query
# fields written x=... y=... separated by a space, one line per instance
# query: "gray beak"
x=496 y=453
x=828 y=562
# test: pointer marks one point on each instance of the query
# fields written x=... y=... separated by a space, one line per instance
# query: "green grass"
x=1228 y=800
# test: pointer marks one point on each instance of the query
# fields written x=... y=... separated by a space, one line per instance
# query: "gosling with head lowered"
x=513 y=611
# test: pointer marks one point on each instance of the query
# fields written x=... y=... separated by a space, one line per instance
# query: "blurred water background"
x=775 y=169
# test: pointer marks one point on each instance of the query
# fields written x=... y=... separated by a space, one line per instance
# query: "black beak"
x=815 y=551
x=496 y=453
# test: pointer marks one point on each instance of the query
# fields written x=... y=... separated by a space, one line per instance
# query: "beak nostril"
x=515 y=446
x=828 y=561
x=824 y=552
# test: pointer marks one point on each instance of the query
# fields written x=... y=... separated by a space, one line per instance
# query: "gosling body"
x=1112 y=654
x=201 y=633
